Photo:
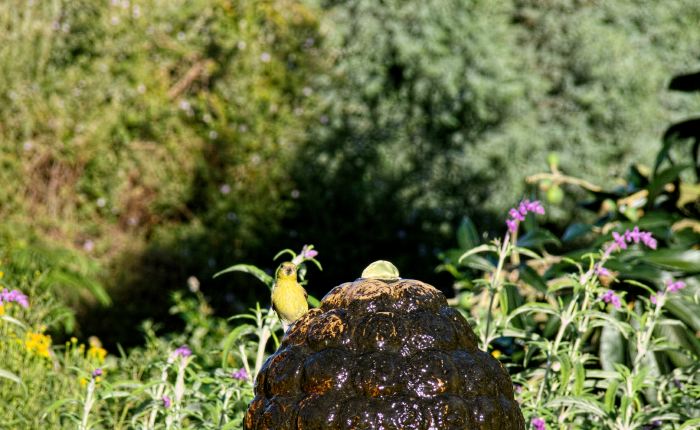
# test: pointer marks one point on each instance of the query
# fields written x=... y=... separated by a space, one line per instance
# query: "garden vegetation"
x=146 y=145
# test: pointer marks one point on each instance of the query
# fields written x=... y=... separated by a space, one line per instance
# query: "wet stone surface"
x=385 y=355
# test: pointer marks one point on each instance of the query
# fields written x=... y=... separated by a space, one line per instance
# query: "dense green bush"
x=151 y=135
x=431 y=97
x=436 y=109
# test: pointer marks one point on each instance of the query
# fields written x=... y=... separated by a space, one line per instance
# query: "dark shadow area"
x=687 y=130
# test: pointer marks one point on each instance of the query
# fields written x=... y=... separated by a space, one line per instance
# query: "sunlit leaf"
x=477 y=250
x=11 y=376
x=612 y=347
x=675 y=259
x=580 y=405
x=250 y=269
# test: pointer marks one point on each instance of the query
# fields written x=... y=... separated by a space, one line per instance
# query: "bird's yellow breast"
x=289 y=300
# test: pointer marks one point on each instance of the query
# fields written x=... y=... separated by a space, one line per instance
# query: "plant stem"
x=493 y=288
x=89 y=400
x=559 y=178
x=159 y=395
x=263 y=337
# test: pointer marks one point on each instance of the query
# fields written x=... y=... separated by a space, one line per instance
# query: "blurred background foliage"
x=146 y=141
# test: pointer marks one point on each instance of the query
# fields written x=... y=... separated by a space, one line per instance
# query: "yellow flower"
x=38 y=343
x=97 y=353
x=2 y=274
x=83 y=382
x=2 y=310
x=496 y=353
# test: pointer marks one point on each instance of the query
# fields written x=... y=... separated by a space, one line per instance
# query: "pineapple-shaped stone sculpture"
x=382 y=353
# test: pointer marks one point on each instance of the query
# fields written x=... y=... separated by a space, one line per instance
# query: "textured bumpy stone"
x=385 y=355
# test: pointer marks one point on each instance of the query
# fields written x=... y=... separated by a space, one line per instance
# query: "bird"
x=288 y=296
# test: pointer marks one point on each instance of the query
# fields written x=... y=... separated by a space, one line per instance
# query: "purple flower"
x=601 y=271
x=240 y=374
x=672 y=286
x=14 y=296
x=635 y=235
x=648 y=240
x=166 y=402
x=538 y=424
x=183 y=351
x=97 y=372
x=307 y=253
x=518 y=215
x=655 y=298
x=610 y=297
x=619 y=240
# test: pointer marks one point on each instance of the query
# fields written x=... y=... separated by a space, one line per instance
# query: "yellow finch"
x=288 y=297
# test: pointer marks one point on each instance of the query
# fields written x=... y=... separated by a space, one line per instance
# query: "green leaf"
x=533 y=308
x=313 y=301
x=560 y=284
x=674 y=259
x=662 y=178
x=316 y=262
x=532 y=278
x=612 y=347
x=467 y=236
x=610 y=395
x=685 y=311
x=575 y=230
x=284 y=251
x=78 y=281
x=57 y=404
x=477 y=250
x=690 y=424
x=14 y=321
x=565 y=369
x=640 y=377
x=478 y=263
x=509 y=298
x=231 y=425
x=579 y=405
x=609 y=320
x=538 y=238
x=236 y=334
x=579 y=378
x=11 y=376
x=683 y=342
x=624 y=404
x=252 y=270
x=528 y=252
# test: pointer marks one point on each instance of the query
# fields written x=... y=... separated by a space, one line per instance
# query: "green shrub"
x=436 y=109
x=142 y=131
